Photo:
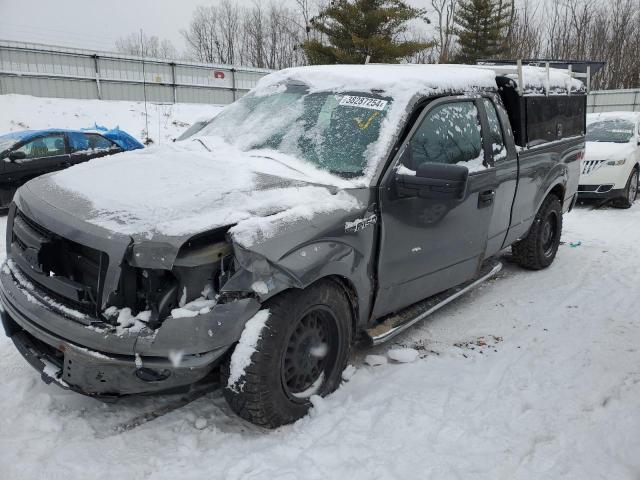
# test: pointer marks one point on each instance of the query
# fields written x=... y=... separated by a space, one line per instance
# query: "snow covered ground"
x=166 y=121
x=534 y=375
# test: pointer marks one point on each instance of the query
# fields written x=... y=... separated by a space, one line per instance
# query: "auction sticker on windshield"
x=363 y=102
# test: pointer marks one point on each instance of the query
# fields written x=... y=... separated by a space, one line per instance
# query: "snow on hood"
x=181 y=189
x=608 y=150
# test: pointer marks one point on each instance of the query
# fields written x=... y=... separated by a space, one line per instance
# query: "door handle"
x=485 y=199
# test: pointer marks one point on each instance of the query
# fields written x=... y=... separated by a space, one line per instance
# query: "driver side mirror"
x=13 y=156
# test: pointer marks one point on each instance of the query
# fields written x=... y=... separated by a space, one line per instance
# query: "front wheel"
x=538 y=249
x=302 y=350
x=630 y=191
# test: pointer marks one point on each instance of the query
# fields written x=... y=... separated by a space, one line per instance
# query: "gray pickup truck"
x=329 y=205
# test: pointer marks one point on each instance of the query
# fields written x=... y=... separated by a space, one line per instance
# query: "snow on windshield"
x=613 y=130
x=331 y=131
x=342 y=118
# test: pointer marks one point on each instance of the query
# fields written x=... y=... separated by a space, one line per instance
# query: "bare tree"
x=152 y=46
x=445 y=15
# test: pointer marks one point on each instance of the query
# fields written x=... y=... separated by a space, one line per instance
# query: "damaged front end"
x=160 y=318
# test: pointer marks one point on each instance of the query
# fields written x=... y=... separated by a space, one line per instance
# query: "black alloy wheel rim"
x=304 y=361
x=549 y=233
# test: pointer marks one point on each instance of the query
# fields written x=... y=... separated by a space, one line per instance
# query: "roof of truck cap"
x=400 y=79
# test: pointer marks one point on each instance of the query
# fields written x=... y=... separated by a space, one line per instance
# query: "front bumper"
x=98 y=362
x=602 y=192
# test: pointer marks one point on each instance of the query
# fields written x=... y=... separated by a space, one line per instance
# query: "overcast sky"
x=94 y=24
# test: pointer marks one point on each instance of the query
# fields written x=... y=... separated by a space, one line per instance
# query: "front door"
x=434 y=214
x=41 y=155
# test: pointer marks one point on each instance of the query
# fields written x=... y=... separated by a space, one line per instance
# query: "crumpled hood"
x=162 y=196
x=608 y=150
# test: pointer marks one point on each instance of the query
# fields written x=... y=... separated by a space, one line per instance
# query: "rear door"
x=434 y=220
x=100 y=146
x=85 y=146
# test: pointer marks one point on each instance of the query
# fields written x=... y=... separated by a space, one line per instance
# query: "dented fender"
x=327 y=247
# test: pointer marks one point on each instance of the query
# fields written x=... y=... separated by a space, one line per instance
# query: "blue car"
x=29 y=153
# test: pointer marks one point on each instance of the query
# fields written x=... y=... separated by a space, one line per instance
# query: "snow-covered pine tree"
x=482 y=28
x=351 y=30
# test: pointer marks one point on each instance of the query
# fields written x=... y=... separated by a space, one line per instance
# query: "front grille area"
x=69 y=272
x=590 y=166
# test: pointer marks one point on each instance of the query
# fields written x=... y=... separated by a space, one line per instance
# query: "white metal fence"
x=614 y=100
x=47 y=71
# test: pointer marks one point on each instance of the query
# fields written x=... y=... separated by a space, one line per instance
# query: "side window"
x=450 y=133
x=78 y=142
x=496 y=138
x=98 y=142
x=44 y=147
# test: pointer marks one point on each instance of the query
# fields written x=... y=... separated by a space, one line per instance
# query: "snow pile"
x=182 y=188
x=403 y=355
x=241 y=357
x=166 y=122
x=375 y=360
x=126 y=322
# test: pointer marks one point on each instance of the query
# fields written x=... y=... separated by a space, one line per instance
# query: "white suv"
x=612 y=158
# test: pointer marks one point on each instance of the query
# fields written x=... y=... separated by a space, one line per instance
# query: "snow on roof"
x=629 y=116
x=398 y=79
x=395 y=80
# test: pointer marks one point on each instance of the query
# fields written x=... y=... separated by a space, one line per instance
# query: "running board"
x=395 y=324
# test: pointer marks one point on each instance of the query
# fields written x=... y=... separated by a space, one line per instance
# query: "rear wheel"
x=303 y=349
x=630 y=191
x=538 y=249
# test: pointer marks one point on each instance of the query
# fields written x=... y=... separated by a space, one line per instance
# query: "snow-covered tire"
x=630 y=191
x=291 y=343
x=538 y=249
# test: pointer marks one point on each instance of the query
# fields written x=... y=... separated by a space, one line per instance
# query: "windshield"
x=331 y=130
x=8 y=141
x=613 y=130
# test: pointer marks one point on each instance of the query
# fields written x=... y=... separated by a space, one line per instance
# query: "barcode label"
x=363 y=102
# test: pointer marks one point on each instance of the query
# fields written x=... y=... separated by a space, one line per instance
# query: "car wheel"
x=630 y=191
x=538 y=249
x=303 y=348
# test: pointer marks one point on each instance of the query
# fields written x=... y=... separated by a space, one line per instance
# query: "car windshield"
x=331 y=130
x=8 y=141
x=613 y=130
